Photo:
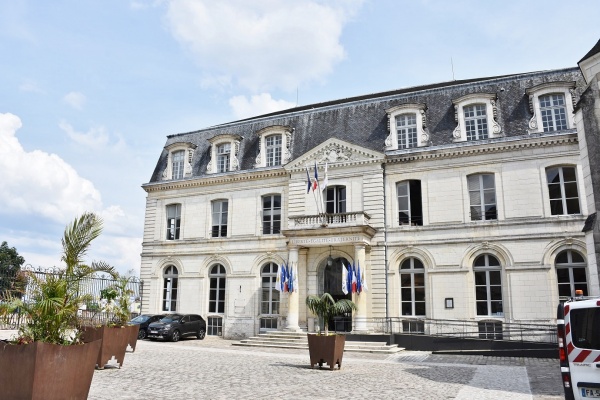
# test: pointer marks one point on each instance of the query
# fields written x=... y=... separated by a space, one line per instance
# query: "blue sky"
x=89 y=90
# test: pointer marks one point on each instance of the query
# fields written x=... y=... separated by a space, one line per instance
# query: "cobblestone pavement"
x=214 y=369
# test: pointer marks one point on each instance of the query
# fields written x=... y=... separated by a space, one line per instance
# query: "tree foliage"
x=325 y=307
x=11 y=282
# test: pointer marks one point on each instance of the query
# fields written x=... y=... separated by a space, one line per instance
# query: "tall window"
x=553 y=111
x=177 y=164
x=173 y=221
x=273 y=145
x=410 y=208
x=223 y=155
x=562 y=189
x=488 y=285
x=476 y=122
x=170 y=289
x=571 y=273
x=216 y=302
x=412 y=287
x=219 y=218
x=335 y=202
x=406 y=129
x=482 y=196
x=270 y=296
x=271 y=214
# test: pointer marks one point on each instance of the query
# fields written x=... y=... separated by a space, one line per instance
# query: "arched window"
x=571 y=273
x=216 y=302
x=270 y=296
x=170 y=289
x=488 y=285
x=412 y=287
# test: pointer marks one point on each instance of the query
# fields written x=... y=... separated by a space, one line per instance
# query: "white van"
x=578 y=321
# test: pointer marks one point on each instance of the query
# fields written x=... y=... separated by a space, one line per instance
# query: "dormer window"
x=407 y=127
x=552 y=107
x=274 y=146
x=475 y=115
x=179 y=161
x=224 y=152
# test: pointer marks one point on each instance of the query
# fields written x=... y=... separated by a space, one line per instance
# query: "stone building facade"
x=461 y=201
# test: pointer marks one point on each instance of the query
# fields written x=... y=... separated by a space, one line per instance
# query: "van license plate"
x=591 y=393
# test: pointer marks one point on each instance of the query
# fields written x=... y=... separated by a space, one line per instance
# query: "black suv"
x=143 y=321
x=175 y=326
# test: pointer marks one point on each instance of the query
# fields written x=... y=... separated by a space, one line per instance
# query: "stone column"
x=292 y=317
x=360 y=316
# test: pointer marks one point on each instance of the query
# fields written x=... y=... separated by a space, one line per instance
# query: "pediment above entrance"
x=335 y=151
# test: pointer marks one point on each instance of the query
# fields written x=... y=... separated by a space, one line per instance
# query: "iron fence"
x=90 y=313
x=483 y=329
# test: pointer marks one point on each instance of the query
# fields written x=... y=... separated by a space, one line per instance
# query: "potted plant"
x=116 y=333
x=323 y=347
x=48 y=359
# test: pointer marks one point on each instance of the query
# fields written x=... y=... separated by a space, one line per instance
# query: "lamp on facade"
x=329 y=259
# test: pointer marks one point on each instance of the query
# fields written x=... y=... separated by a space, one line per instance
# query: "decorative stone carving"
x=165 y=174
x=496 y=128
x=332 y=153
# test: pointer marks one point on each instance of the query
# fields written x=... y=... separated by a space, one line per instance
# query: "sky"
x=90 y=89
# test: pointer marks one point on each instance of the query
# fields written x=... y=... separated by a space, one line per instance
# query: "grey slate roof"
x=362 y=120
x=595 y=50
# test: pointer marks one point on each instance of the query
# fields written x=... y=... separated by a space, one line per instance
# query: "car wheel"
x=142 y=334
x=201 y=334
x=175 y=337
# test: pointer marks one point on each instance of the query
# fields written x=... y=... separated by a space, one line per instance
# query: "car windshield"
x=140 y=318
x=171 y=318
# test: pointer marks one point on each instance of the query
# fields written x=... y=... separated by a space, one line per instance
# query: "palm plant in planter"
x=326 y=348
x=53 y=362
x=116 y=334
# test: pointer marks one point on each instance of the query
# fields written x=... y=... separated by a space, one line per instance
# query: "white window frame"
x=170 y=173
x=170 y=276
x=562 y=87
x=223 y=151
x=412 y=271
x=489 y=101
x=416 y=109
x=562 y=182
x=234 y=145
x=481 y=192
x=219 y=275
x=487 y=268
x=268 y=289
x=213 y=203
x=174 y=230
x=286 y=141
x=413 y=220
x=570 y=265
x=271 y=213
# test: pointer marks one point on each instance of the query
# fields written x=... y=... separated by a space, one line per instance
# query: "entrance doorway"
x=332 y=284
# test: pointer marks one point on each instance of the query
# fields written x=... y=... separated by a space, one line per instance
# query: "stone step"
x=295 y=340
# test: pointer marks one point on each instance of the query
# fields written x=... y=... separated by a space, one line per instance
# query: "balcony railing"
x=332 y=220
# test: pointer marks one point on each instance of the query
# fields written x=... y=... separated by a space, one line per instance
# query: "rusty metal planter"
x=133 y=331
x=114 y=343
x=326 y=349
x=47 y=371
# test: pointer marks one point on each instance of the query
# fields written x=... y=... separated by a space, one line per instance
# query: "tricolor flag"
x=295 y=279
x=284 y=278
x=344 y=279
x=349 y=280
x=278 y=279
x=308 y=182
x=358 y=280
x=363 y=281
x=325 y=180
x=316 y=181
x=291 y=279
x=354 y=279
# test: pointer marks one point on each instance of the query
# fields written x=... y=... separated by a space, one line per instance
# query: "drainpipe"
x=385 y=244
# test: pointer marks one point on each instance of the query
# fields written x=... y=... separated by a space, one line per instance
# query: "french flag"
x=354 y=282
x=359 y=281
x=316 y=181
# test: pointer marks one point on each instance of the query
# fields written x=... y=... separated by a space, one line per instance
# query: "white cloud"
x=258 y=104
x=264 y=43
x=75 y=100
x=30 y=86
x=40 y=183
x=96 y=137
